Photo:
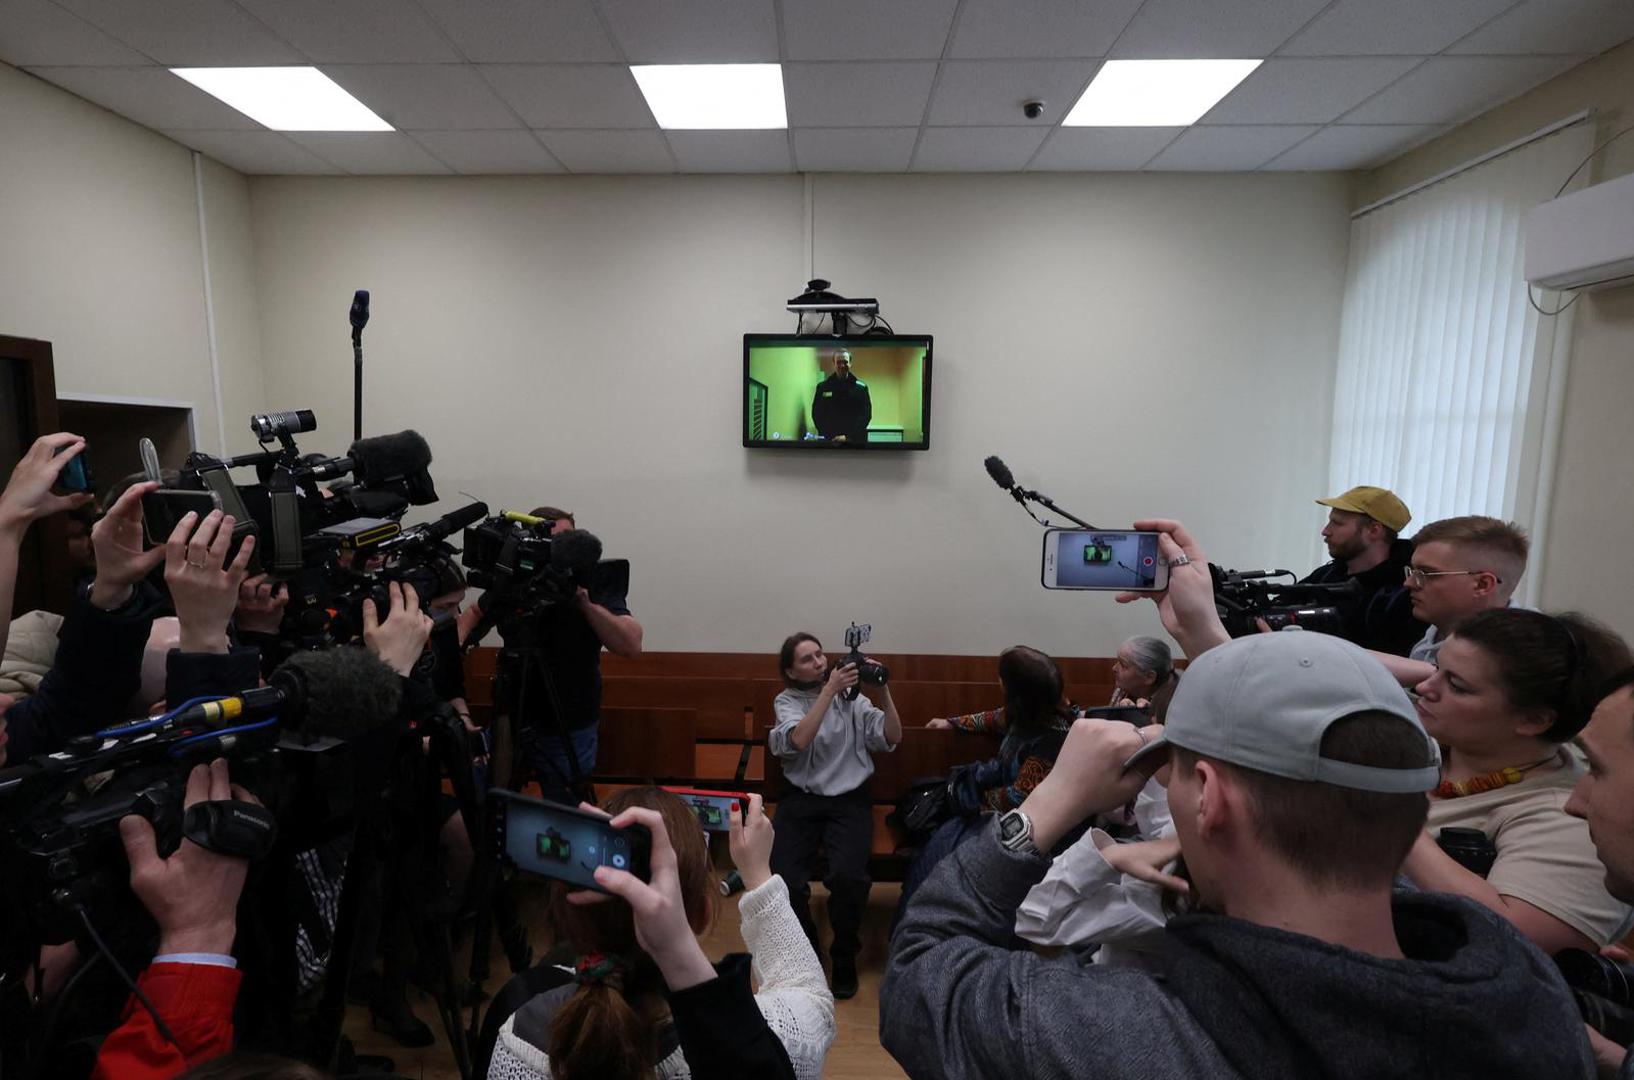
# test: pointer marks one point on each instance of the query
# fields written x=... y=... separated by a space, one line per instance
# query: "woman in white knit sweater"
x=614 y=1021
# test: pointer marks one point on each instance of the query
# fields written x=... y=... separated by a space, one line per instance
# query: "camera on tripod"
x=1244 y=596
x=869 y=671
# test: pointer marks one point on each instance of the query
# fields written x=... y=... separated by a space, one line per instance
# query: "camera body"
x=1242 y=597
x=1603 y=990
x=871 y=672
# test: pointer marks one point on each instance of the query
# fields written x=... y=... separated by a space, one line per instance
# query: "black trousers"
x=844 y=824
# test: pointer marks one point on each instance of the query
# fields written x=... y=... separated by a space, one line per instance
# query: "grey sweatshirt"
x=1473 y=1000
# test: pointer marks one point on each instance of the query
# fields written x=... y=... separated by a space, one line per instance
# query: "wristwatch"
x=1016 y=833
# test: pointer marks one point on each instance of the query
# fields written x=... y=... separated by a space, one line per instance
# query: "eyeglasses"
x=1417 y=578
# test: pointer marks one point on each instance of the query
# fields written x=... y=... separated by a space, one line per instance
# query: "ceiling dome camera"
x=1033 y=109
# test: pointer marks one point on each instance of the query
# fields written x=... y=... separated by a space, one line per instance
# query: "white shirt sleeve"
x=1083 y=901
x=794 y=997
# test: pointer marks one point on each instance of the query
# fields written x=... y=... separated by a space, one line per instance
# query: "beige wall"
x=1593 y=510
x=100 y=232
x=1129 y=344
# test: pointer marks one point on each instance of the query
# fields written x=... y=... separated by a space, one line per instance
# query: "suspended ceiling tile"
x=992 y=93
x=39 y=33
x=1228 y=149
x=610 y=151
x=867 y=29
x=1583 y=27
x=151 y=96
x=1308 y=91
x=976 y=149
x=694 y=31
x=188 y=33
x=1212 y=29
x=425 y=96
x=857 y=95
x=883 y=150
x=1343 y=147
x=371 y=152
x=258 y=153
x=571 y=95
x=1098 y=149
x=1037 y=28
x=1451 y=88
x=356 y=31
x=731 y=151
x=1391 y=27
x=524 y=31
x=477 y=152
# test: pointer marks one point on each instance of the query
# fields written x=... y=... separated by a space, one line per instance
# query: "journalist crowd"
x=1396 y=844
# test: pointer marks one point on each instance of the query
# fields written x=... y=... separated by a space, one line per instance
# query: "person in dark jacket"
x=1361 y=536
x=842 y=407
x=1298 y=773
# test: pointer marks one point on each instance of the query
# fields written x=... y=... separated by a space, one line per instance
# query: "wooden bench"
x=722 y=704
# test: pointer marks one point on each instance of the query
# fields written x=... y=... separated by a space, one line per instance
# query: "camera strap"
x=231 y=827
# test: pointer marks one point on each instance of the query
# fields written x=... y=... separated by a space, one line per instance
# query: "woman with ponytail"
x=1511 y=688
x=645 y=1003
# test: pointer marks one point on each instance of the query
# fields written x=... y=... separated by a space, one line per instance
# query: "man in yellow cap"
x=1362 y=538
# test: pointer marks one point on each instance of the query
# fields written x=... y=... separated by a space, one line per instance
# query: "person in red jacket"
x=193 y=980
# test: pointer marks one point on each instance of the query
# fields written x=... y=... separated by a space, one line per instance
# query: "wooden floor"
x=855 y=1055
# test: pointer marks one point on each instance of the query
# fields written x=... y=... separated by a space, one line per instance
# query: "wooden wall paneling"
x=648 y=743
x=722 y=704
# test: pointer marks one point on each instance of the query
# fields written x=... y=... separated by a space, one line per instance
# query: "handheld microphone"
x=359 y=315
x=342 y=692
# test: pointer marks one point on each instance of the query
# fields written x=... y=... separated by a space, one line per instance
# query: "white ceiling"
x=542 y=86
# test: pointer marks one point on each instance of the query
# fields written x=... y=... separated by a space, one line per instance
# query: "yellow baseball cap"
x=1377 y=503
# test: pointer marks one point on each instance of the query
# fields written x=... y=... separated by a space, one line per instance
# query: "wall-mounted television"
x=857 y=392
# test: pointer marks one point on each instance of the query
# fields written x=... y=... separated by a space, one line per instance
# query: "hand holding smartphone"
x=563 y=843
x=1103 y=561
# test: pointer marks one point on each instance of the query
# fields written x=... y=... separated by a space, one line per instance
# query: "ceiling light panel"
x=1156 y=93
x=713 y=96
x=286 y=98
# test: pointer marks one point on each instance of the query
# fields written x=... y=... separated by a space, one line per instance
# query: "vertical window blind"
x=1447 y=375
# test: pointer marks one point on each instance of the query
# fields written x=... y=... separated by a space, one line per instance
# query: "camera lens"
x=619 y=862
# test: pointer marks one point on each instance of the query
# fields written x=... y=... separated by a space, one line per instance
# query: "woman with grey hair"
x=1143 y=674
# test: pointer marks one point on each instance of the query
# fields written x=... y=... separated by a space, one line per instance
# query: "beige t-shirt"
x=1545 y=856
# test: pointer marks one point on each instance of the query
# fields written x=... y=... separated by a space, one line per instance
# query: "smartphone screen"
x=162 y=509
x=714 y=809
x=563 y=843
x=1111 y=561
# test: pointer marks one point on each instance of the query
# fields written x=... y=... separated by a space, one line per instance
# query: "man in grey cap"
x=1298 y=773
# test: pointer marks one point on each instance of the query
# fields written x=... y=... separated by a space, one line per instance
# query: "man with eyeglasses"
x=1460 y=566
x=1362 y=538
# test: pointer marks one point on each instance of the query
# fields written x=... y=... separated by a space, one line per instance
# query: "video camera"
x=524 y=568
x=869 y=671
x=1242 y=596
x=59 y=813
x=322 y=521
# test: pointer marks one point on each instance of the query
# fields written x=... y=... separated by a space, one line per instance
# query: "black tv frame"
x=821 y=340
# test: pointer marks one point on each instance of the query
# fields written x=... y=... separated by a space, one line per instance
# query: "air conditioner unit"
x=1584 y=240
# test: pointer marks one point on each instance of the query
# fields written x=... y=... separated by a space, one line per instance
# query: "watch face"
x=1011 y=827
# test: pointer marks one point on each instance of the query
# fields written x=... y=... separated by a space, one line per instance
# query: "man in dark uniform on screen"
x=841 y=408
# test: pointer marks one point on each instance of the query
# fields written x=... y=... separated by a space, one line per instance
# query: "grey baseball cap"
x=1264 y=702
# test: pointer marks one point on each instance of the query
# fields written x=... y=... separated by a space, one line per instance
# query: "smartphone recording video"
x=563 y=843
x=1107 y=561
x=714 y=809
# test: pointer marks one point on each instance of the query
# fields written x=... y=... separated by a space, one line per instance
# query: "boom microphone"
x=403 y=458
x=359 y=315
x=343 y=692
x=576 y=552
x=1000 y=472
